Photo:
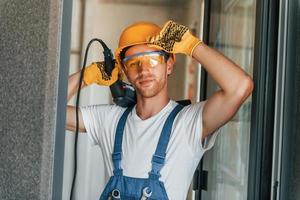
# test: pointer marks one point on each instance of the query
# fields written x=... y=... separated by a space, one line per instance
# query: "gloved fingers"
x=166 y=26
x=101 y=67
x=95 y=73
x=90 y=73
x=175 y=38
x=105 y=79
x=161 y=34
x=156 y=46
x=170 y=34
x=174 y=31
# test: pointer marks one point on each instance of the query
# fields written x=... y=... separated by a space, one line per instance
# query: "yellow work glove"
x=95 y=73
x=175 y=38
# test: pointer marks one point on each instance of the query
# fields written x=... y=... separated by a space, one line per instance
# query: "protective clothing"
x=175 y=38
x=130 y=188
x=149 y=59
x=95 y=73
x=135 y=34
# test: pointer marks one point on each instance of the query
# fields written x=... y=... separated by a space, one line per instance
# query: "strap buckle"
x=116 y=156
x=158 y=159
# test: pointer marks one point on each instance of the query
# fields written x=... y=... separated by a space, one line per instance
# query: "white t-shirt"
x=140 y=139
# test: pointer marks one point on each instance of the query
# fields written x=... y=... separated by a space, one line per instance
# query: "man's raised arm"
x=94 y=73
x=73 y=82
x=236 y=85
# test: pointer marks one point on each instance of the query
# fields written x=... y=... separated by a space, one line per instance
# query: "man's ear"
x=170 y=64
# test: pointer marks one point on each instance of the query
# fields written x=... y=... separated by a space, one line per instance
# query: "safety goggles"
x=149 y=59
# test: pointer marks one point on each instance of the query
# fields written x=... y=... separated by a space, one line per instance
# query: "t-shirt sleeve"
x=95 y=119
x=194 y=128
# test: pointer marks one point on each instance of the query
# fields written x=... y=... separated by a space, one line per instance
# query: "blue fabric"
x=131 y=188
x=117 y=154
x=158 y=159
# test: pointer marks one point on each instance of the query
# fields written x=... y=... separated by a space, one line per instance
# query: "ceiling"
x=147 y=2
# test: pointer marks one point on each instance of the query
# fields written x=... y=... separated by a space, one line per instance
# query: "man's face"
x=148 y=76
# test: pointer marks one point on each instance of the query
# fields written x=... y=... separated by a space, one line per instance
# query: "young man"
x=146 y=55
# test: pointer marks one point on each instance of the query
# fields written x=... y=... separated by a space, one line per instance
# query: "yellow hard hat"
x=134 y=34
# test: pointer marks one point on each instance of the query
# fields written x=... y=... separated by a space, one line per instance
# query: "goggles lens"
x=150 y=59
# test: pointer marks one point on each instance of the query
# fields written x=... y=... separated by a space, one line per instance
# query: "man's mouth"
x=145 y=82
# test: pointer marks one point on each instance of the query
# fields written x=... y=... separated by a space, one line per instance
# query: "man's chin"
x=147 y=93
x=148 y=90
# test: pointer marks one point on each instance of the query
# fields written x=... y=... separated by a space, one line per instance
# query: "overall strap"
x=158 y=158
x=117 y=153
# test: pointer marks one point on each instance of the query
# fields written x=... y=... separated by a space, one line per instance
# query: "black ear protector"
x=123 y=94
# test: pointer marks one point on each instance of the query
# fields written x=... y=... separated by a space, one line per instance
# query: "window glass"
x=232 y=24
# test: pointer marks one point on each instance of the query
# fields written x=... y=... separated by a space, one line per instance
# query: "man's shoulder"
x=188 y=104
x=193 y=108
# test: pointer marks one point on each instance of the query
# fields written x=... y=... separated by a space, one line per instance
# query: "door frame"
x=263 y=100
x=287 y=99
x=263 y=103
x=64 y=59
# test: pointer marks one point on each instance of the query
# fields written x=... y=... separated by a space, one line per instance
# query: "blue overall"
x=130 y=188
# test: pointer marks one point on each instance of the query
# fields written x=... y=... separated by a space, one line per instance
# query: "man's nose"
x=143 y=66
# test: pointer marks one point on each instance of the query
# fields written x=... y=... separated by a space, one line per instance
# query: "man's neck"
x=147 y=107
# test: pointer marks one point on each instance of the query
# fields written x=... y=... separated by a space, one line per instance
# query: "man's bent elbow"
x=245 y=88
